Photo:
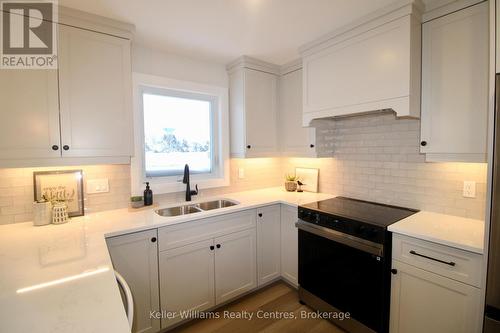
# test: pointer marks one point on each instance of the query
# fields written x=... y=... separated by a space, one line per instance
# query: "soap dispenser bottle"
x=148 y=195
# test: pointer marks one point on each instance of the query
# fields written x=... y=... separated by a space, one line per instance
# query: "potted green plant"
x=136 y=201
x=291 y=182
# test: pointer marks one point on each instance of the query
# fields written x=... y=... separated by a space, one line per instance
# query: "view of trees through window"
x=177 y=131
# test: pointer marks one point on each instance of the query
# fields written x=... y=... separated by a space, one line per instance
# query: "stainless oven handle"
x=340 y=237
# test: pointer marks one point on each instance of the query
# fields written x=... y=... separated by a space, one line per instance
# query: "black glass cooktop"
x=364 y=211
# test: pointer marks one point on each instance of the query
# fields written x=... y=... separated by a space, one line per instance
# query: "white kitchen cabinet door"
x=187 y=279
x=235 y=265
x=135 y=257
x=295 y=140
x=95 y=94
x=268 y=244
x=455 y=55
x=261 y=113
x=289 y=245
x=422 y=301
x=253 y=113
x=30 y=114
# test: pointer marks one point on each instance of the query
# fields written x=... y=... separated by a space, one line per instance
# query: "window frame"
x=219 y=135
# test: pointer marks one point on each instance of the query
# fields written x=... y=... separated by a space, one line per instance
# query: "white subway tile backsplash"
x=387 y=149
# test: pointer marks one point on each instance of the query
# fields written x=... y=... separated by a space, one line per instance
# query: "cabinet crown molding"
x=253 y=63
x=85 y=20
x=291 y=66
x=379 y=17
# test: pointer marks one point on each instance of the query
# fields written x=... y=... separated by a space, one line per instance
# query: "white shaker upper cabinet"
x=253 y=111
x=371 y=65
x=95 y=94
x=455 y=57
x=295 y=140
x=30 y=114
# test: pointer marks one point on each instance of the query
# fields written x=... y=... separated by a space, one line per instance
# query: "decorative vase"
x=42 y=213
x=60 y=213
x=290 y=186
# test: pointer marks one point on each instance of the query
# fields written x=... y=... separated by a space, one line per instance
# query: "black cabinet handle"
x=249 y=146
x=451 y=263
x=423 y=143
x=55 y=147
x=66 y=147
x=311 y=145
x=212 y=247
x=394 y=271
x=218 y=246
x=153 y=239
x=260 y=214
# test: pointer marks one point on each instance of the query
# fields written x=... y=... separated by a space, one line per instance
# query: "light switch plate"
x=469 y=190
x=97 y=186
x=241 y=173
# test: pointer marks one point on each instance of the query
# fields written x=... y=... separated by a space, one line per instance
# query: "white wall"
x=148 y=61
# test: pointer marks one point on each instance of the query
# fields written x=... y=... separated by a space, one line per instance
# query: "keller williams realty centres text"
x=248 y=315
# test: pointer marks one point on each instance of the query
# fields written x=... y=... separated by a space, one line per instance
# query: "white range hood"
x=370 y=65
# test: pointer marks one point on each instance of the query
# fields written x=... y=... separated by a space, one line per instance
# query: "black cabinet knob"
x=249 y=146
x=311 y=145
x=394 y=271
x=423 y=143
x=212 y=247
x=218 y=246
x=66 y=147
x=55 y=147
x=260 y=214
x=153 y=239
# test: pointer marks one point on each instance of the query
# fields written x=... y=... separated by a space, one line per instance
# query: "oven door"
x=348 y=273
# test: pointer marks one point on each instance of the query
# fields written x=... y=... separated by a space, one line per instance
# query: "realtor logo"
x=28 y=35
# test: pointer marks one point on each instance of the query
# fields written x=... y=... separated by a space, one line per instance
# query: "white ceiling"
x=222 y=30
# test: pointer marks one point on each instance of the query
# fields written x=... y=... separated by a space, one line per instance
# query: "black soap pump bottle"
x=148 y=195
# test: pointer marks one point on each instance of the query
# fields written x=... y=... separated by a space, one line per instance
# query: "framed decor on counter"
x=61 y=185
x=309 y=177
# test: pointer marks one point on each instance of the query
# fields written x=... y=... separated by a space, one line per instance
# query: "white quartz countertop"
x=59 y=278
x=459 y=232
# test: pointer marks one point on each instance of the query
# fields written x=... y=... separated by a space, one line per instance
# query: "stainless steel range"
x=345 y=260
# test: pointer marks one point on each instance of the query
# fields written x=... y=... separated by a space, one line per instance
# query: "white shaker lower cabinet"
x=206 y=262
x=422 y=301
x=268 y=244
x=455 y=57
x=289 y=245
x=235 y=265
x=135 y=257
x=95 y=94
x=187 y=279
x=434 y=288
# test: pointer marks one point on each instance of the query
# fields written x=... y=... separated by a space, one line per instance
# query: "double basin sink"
x=195 y=208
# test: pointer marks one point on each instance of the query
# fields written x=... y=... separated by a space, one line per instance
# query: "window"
x=178 y=123
x=177 y=131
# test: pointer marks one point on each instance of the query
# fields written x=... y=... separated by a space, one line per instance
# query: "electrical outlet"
x=97 y=186
x=241 y=173
x=469 y=190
